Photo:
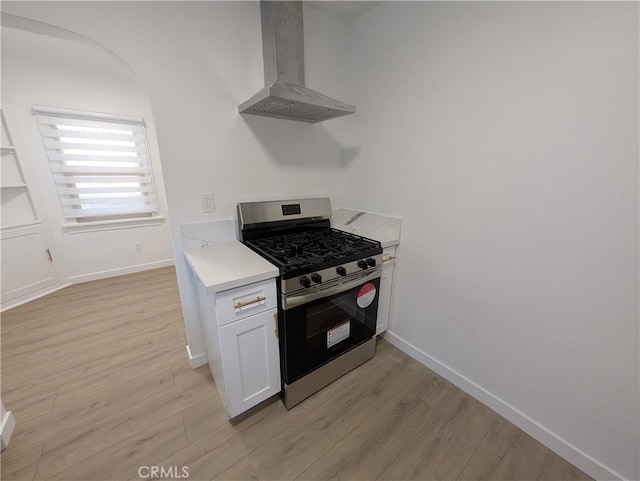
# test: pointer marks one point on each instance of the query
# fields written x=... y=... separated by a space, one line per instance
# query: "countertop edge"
x=392 y=243
x=232 y=283
x=225 y=286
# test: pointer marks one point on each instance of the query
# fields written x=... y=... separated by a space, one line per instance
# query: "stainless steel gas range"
x=329 y=283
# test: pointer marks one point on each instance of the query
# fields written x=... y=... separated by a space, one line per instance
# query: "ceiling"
x=344 y=10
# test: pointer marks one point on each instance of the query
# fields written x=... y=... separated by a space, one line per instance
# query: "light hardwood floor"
x=97 y=377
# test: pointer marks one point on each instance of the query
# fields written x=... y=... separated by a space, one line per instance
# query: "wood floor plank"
x=182 y=371
x=208 y=457
x=95 y=437
x=80 y=410
x=203 y=418
x=497 y=459
x=241 y=471
x=367 y=450
x=22 y=467
x=111 y=377
x=517 y=439
x=554 y=468
x=254 y=428
x=434 y=389
x=129 y=390
x=30 y=402
x=90 y=362
x=444 y=446
x=132 y=353
x=386 y=355
x=85 y=317
x=122 y=462
x=294 y=450
x=151 y=323
x=263 y=423
x=54 y=349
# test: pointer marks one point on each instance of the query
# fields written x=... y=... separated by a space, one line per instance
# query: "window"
x=99 y=164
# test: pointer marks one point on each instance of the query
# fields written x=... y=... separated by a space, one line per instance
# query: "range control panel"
x=331 y=275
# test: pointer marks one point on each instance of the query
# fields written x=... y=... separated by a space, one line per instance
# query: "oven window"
x=322 y=330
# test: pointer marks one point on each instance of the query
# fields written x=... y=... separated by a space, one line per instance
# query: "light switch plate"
x=206 y=201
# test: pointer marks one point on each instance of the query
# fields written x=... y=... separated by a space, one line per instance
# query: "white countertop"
x=383 y=228
x=223 y=265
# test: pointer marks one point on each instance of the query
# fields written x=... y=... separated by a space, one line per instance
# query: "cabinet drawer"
x=389 y=255
x=245 y=301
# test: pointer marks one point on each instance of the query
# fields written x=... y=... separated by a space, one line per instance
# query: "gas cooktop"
x=303 y=252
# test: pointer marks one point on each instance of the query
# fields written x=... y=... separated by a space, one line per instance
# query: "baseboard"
x=33 y=296
x=551 y=440
x=8 y=423
x=196 y=361
x=94 y=276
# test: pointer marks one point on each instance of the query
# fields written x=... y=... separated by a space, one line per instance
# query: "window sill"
x=101 y=225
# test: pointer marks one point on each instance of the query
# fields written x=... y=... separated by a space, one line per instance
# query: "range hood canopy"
x=285 y=95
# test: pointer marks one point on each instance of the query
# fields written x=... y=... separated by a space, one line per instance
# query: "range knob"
x=305 y=281
x=341 y=271
x=317 y=278
x=371 y=262
x=362 y=264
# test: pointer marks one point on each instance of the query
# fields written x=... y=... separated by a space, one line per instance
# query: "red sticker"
x=366 y=295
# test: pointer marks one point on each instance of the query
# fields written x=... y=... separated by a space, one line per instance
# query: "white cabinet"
x=241 y=334
x=386 y=283
x=27 y=265
x=250 y=360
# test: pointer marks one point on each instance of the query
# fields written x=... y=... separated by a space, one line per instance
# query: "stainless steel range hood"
x=285 y=95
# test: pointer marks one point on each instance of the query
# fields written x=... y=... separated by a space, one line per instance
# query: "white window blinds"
x=99 y=163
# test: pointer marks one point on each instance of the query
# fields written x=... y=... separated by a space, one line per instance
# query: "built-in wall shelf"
x=17 y=204
x=27 y=264
x=25 y=224
x=7 y=228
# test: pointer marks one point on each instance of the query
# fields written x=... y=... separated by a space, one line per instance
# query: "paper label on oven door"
x=338 y=334
x=366 y=295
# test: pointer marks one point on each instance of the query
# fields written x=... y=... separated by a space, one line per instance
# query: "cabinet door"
x=251 y=360
x=384 y=302
x=27 y=267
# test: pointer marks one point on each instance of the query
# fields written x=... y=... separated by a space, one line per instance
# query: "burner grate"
x=312 y=248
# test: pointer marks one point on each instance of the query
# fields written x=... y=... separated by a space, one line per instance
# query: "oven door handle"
x=298 y=299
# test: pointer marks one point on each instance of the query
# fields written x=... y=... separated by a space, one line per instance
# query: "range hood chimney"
x=285 y=95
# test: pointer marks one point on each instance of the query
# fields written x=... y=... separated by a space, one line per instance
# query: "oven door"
x=322 y=325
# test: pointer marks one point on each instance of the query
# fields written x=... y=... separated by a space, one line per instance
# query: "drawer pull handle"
x=240 y=305
x=390 y=258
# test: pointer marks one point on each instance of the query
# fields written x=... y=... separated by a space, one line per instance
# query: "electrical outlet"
x=138 y=246
x=206 y=201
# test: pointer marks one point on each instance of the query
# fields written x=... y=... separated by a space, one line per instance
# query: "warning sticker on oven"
x=338 y=334
x=366 y=295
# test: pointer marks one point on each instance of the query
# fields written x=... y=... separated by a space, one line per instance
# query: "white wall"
x=41 y=69
x=198 y=61
x=506 y=136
